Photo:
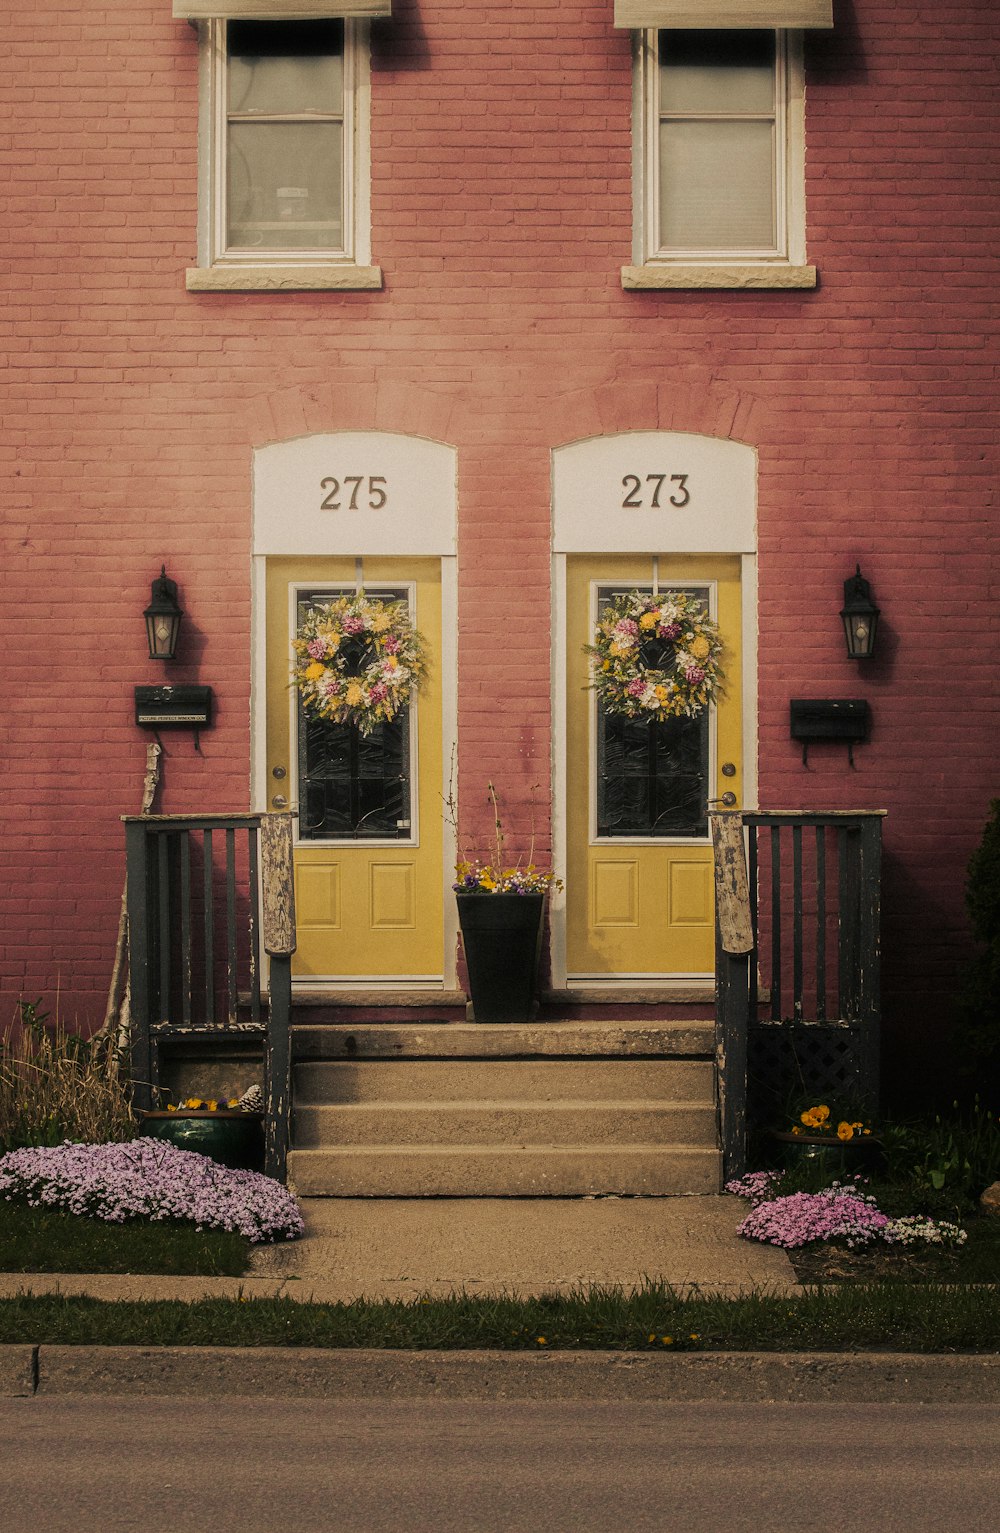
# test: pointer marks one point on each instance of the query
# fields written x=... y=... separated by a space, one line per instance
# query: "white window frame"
x=783 y=265
x=348 y=266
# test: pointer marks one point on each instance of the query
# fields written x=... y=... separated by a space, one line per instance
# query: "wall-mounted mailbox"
x=173 y=707
x=844 y=718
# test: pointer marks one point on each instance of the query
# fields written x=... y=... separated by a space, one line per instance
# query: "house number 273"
x=342 y=494
x=640 y=493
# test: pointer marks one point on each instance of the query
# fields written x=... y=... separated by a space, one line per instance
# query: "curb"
x=315 y=1373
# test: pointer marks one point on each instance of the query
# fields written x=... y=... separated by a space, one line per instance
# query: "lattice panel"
x=789 y=1060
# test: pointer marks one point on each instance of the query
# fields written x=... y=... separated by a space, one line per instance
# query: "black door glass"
x=353 y=786
x=652 y=777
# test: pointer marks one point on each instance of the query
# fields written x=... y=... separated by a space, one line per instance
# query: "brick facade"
x=501 y=216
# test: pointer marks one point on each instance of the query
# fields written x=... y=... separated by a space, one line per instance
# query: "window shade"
x=695 y=15
x=278 y=10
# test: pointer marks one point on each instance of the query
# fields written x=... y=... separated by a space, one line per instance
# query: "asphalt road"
x=93 y=1463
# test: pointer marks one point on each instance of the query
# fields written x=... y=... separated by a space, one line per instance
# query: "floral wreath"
x=656 y=657
x=358 y=660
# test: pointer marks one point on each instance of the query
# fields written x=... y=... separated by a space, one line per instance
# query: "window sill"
x=334 y=277
x=752 y=274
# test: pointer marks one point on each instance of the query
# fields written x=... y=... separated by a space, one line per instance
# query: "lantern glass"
x=163 y=618
x=859 y=617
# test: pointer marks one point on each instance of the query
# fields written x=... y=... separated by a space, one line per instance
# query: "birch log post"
x=117 y=1021
x=278 y=930
x=734 y=944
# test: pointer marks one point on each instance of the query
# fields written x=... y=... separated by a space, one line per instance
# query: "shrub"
x=54 y=1085
x=978 y=1034
x=150 y=1179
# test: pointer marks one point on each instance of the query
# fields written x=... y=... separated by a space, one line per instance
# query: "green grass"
x=883 y=1318
x=49 y=1240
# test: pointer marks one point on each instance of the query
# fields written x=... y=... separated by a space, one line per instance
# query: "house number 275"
x=640 y=493
x=342 y=494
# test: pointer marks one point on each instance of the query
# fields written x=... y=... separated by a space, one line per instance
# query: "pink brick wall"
x=501 y=214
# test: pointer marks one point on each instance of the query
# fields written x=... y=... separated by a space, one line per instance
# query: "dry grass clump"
x=55 y=1085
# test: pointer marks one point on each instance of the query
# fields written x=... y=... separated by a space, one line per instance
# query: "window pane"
x=282 y=67
x=708 y=72
x=285 y=185
x=717 y=187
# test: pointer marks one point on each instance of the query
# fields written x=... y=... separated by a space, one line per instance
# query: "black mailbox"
x=843 y=718
x=173 y=707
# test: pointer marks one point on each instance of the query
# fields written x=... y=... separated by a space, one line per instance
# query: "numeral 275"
x=377 y=495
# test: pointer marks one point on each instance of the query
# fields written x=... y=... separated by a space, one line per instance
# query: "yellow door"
x=639 y=882
x=368 y=844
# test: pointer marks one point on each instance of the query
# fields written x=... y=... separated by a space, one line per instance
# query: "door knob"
x=279 y=801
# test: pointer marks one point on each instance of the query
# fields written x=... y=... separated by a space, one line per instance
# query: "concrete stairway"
x=558 y=1109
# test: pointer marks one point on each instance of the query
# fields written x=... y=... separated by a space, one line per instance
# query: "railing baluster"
x=231 y=986
x=797 y=922
x=209 y=927
x=253 y=881
x=820 y=923
x=163 y=897
x=776 y=923
x=185 y=840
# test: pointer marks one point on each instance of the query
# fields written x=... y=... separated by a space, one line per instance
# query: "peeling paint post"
x=278 y=928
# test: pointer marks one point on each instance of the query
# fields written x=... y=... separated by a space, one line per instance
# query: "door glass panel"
x=353 y=786
x=652 y=778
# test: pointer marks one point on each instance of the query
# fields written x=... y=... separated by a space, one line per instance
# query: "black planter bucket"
x=502 y=936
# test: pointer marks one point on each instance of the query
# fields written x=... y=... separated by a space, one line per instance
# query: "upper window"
x=281 y=173
x=720 y=169
x=283 y=139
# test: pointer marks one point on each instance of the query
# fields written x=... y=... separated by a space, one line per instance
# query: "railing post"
x=141 y=923
x=278 y=930
x=734 y=945
x=869 y=988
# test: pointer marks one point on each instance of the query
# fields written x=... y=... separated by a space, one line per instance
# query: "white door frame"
x=716 y=479
x=417 y=520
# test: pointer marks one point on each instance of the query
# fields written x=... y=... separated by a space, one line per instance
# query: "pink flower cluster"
x=150 y=1179
x=804 y=1216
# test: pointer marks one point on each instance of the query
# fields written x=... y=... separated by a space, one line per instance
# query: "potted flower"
x=229 y=1130
x=500 y=911
x=834 y=1138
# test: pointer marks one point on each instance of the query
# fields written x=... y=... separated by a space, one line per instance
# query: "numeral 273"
x=377 y=495
x=632 y=484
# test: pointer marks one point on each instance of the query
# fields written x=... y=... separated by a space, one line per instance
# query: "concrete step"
x=580 y=1039
x=536 y=1080
x=512 y=1123
x=491 y=1171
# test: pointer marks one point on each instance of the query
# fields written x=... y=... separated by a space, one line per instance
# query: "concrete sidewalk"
x=407 y=1248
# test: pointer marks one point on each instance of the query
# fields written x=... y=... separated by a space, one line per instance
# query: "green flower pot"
x=234 y=1139
x=825 y=1152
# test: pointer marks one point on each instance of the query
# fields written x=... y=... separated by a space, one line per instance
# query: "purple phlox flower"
x=668 y=631
x=694 y=674
x=316 y=648
x=354 y=625
x=151 y=1179
x=636 y=688
x=805 y=1216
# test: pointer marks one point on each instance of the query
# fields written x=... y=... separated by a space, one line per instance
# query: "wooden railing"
x=797 y=939
x=206 y=893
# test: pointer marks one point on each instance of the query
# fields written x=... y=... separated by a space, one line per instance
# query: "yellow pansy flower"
x=649 y=620
x=354 y=694
x=314 y=671
x=700 y=647
x=845 y=1131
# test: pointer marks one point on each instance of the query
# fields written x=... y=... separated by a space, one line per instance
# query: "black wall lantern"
x=163 y=618
x=859 y=617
